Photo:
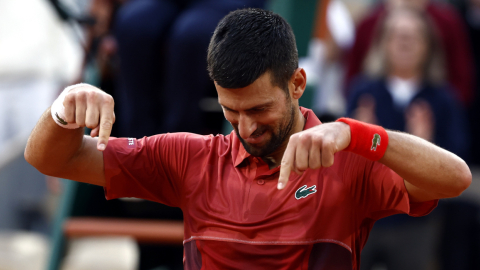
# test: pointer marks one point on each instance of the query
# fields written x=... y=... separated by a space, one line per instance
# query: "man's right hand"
x=88 y=106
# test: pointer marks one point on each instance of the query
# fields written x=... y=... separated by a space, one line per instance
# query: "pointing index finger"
x=106 y=123
x=286 y=166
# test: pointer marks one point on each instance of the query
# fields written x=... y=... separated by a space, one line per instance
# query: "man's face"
x=261 y=114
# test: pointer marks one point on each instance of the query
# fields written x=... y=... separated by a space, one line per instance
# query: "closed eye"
x=258 y=109
x=228 y=109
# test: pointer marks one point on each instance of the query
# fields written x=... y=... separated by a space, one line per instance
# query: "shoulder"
x=441 y=93
x=171 y=141
x=444 y=14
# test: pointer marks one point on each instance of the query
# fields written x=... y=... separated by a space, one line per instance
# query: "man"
x=235 y=213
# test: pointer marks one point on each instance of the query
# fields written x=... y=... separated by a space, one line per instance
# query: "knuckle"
x=304 y=138
x=327 y=144
x=284 y=163
x=91 y=124
x=69 y=99
x=108 y=100
x=80 y=121
x=328 y=162
x=316 y=141
x=315 y=165
x=91 y=95
x=106 y=125
x=301 y=166
x=80 y=95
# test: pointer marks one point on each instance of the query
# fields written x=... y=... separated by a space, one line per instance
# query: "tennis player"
x=282 y=191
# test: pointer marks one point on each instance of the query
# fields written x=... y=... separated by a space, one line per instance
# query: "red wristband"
x=367 y=140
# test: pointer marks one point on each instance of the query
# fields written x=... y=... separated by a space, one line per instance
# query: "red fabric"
x=232 y=207
x=454 y=38
x=362 y=139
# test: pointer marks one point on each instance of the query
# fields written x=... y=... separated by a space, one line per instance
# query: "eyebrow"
x=267 y=104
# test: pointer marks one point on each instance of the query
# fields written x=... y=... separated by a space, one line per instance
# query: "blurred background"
x=409 y=65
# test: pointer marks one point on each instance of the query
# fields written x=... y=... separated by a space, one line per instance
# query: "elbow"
x=463 y=179
x=28 y=156
x=36 y=161
x=31 y=159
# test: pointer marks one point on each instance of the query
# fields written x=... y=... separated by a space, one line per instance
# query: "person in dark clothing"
x=403 y=88
x=162 y=51
x=459 y=69
x=431 y=107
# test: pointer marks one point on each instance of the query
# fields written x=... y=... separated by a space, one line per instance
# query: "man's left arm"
x=430 y=172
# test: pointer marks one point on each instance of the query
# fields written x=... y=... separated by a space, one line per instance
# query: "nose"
x=246 y=126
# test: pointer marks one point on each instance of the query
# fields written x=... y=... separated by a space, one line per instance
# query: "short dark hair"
x=249 y=42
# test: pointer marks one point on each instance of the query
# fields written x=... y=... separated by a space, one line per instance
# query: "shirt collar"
x=311 y=120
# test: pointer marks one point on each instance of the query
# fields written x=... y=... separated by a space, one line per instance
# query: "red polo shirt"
x=235 y=218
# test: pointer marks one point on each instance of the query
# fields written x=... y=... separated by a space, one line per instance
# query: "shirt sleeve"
x=151 y=168
x=380 y=192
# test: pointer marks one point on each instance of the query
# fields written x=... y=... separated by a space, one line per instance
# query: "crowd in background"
x=407 y=65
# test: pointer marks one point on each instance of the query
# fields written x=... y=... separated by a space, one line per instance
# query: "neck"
x=405 y=75
x=275 y=158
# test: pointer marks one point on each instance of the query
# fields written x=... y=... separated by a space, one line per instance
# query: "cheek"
x=275 y=119
x=420 y=53
x=230 y=116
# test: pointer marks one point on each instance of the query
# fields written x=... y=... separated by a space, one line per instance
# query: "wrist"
x=367 y=140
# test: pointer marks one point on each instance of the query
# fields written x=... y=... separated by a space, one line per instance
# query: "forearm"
x=50 y=147
x=437 y=172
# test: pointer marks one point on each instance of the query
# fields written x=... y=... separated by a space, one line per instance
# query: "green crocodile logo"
x=304 y=191
x=60 y=120
x=375 y=142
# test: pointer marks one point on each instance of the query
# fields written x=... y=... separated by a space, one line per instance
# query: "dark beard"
x=277 y=139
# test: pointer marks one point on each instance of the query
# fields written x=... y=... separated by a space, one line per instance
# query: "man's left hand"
x=313 y=148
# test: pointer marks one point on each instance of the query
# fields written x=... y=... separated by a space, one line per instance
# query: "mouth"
x=256 y=137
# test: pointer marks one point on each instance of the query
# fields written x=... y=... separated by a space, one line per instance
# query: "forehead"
x=261 y=91
x=404 y=22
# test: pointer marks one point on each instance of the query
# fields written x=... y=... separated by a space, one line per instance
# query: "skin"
x=415 y=4
x=405 y=46
x=268 y=117
x=430 y=172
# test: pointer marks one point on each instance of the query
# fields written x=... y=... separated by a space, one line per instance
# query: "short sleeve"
x=151 y=168
x=380 y=192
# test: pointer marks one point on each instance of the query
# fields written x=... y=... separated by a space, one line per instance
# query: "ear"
x=299 y=81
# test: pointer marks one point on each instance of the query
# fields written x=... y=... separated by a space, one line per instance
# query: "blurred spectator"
x=404 y=87
x=162 y=49
x=403 y=90
x=458 y=56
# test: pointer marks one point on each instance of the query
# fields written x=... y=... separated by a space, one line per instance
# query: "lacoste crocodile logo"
x=304 y=191
x=375 y=142
x=60 y=120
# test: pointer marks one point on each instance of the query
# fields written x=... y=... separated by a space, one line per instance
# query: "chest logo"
x=304 y=191
x=375 y=141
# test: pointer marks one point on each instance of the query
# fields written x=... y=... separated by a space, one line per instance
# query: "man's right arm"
x=67 y=153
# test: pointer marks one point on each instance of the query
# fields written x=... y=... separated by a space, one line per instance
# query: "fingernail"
x=101 y=147
x=280 y=185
